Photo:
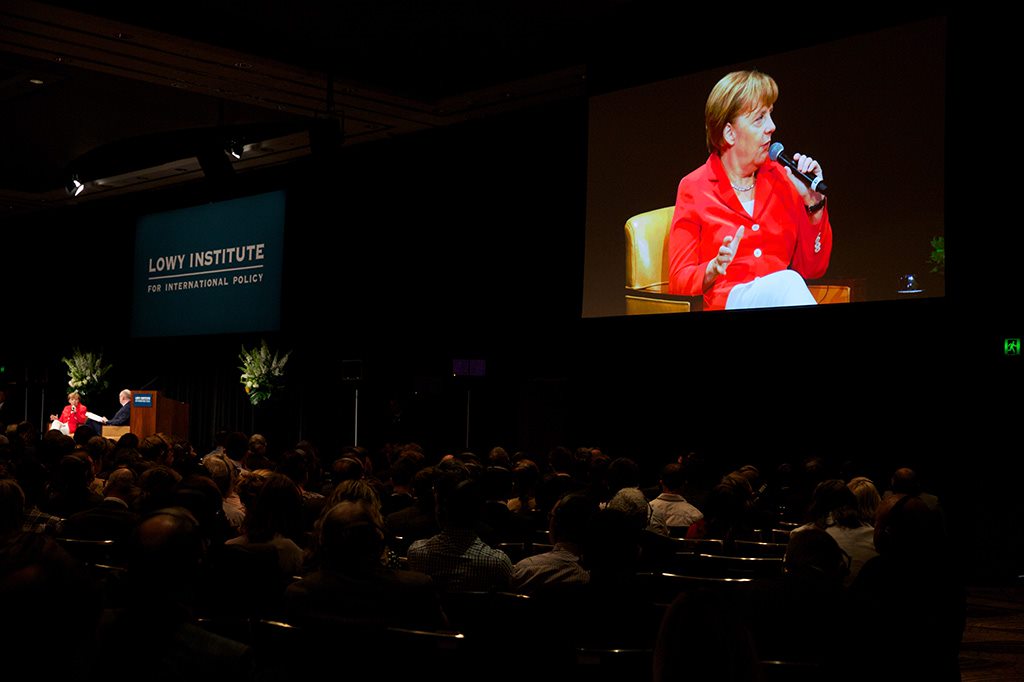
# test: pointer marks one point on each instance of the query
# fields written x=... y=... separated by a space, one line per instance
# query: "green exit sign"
x=1011 y=346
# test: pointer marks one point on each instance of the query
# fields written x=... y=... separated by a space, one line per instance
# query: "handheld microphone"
x=815 y=183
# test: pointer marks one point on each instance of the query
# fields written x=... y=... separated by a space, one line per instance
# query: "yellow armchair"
x=647 y=266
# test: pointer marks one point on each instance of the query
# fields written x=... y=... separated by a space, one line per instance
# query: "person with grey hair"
x=222 y=471
x=633 y=503
x=123 y=415
x=656 y=547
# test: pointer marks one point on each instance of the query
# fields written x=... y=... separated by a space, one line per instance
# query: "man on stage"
x=123 y=415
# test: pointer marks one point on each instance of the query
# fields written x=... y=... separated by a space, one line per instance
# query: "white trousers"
x=782 y=288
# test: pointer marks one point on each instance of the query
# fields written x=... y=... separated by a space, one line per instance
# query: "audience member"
x=156 y=633
x=559 y=482
x=570 y=521
x=456 y=558
x=805 y=617
x=656 y=548
x=200 y=495
x=498 y=523
x=611 y=609
x=353 y=584
x=156 y=450
x=526 y=475
x=868 y=498
x=273 y=515
x=50 y=602
x=833 y=509
x=704 y=636
x=294 y=465
x=222 y=471
x=32 y=479
x=418 y=521
x=156 y=488
x=344 y=468
x=498 y=457
x=670 y=507
x=256 y=456
x=72 y=490
x=916 y=584
x=401 y=496
x=113 y=518
x=726 y=513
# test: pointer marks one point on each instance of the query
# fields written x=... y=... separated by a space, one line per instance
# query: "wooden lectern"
x=152 y=412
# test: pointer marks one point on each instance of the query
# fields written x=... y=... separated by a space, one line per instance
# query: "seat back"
x=755 y=549
x=647 y=250
x=92 y=552
x=647 y=265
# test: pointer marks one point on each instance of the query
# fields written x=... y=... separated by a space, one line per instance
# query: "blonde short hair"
x=75 y=395
x=867 y=496
x=737 y=93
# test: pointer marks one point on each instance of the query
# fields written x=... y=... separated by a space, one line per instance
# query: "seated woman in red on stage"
x=71 y=417
x=746 y=231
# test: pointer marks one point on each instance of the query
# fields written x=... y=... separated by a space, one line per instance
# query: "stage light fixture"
x=74 y=186
x=234 y=149
x=215 y=162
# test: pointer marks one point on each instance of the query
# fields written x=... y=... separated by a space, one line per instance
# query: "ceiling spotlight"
x=74 y=186
x=215 y=162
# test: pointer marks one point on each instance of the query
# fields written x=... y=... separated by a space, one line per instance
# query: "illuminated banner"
x=210 y=269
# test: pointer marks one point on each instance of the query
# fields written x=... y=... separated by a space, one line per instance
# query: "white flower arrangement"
x=86 y=372
x=262 y=372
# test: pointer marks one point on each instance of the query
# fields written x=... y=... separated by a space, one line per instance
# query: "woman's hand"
x=726 y=252
x=810 y=167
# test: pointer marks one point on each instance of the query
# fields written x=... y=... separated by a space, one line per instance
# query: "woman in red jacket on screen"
x=72 y=417
x=746 y=231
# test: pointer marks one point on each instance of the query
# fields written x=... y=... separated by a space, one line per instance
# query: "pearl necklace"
x=745 y=189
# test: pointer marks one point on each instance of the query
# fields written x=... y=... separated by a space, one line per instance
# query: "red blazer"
x=778 y=236
x=73 y=420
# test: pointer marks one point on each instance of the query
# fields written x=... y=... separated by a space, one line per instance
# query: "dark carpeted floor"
x=993 y=643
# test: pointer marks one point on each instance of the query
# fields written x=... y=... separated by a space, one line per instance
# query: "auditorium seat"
x=665 y=587
x=755 y=549
x=92 y=552
x=720 y=566
x=613 y=664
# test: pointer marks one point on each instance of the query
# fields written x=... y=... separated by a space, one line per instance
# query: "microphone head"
x=775 y=150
